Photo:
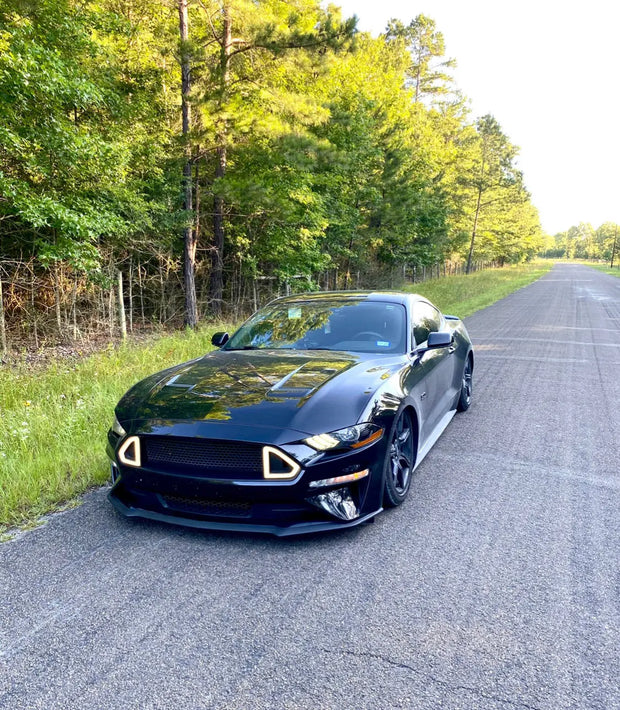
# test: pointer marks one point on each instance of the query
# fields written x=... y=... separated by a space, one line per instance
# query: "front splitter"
x=277 y=530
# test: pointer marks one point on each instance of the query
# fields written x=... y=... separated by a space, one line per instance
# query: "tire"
x=464 y=400
x=399 y=460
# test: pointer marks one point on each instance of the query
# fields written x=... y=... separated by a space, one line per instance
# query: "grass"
x=605 y=269
x=463 y=295
x=53 y=421
x=598 y=265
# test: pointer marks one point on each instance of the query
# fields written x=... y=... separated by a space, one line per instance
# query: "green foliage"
x=328 y=149
x=582 y=241
x=79 y=146
x=426 y=71
x=495 y=207
x=615 y=271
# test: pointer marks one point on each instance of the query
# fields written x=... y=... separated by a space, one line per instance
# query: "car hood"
x=304 y=391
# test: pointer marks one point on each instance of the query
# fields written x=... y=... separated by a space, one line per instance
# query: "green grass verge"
x=53 y=421
x=605 y=269
x=463 y=295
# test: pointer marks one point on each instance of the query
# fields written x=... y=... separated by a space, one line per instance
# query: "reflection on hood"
x=274 y=388
x=212 y=386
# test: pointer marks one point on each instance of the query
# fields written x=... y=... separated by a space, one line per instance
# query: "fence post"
x=2 y=322
x=121 y=307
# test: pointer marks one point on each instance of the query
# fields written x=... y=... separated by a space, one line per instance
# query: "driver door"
x=437 y=365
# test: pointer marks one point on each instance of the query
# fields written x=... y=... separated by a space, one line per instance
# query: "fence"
x=42 y=306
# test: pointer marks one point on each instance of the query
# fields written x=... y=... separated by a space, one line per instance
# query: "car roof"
x=384 y=296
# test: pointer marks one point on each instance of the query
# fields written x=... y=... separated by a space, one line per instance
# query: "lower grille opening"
x=225 y=508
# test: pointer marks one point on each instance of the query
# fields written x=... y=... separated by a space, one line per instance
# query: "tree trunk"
x=417 y=83
x=473 y=231
x=196 y=188
x=216 y=286
x=347 y=277
x=613 y=251
x=477 y=213
x=189 y=235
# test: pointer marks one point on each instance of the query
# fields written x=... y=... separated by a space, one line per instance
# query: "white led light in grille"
x=293 y=467
x=129 y=452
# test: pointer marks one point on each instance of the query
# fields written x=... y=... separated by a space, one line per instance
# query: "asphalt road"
x=496 y=586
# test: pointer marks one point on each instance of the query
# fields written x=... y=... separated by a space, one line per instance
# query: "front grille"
x=212 y=457
x=225 y=508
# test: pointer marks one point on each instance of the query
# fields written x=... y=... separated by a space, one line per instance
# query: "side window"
x=426 y=319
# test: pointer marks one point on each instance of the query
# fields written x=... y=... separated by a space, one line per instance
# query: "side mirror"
x=219 y=339
x=440 y=339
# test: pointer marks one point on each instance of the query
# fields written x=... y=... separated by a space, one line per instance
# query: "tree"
x=606 y=239
x=381 y=179
x=189 y=232
x=298 y=152
x=614 y=247
x=248 y=48
x=492 y=178
x=81 y=145
x=426 y=71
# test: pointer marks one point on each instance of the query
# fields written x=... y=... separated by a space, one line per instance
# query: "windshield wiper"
x=245 y=347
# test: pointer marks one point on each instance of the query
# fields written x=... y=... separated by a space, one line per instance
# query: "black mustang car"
x=312 y=416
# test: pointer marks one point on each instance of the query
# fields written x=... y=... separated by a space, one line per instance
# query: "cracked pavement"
x=496 y=586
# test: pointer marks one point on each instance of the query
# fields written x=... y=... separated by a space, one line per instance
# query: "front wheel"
x=399 y=461
x=466 y=388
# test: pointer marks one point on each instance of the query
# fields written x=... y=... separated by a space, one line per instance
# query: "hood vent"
x=304 y=380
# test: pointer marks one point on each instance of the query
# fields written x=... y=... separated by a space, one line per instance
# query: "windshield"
x=351 y=325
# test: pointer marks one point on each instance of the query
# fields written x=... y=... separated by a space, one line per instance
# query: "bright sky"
x=548 y=71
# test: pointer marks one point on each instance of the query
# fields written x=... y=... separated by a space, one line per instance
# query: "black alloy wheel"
x=400 y=460
x=466 y=388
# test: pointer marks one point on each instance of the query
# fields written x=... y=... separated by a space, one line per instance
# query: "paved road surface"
x=495 y=586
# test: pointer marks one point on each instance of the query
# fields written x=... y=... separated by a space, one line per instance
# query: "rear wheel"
x=466 y=388
x=399 y=461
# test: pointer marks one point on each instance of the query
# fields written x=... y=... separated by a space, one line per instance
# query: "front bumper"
x=279 y=508
x=207 y=523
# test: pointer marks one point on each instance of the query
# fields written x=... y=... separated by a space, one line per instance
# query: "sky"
x=549 y=73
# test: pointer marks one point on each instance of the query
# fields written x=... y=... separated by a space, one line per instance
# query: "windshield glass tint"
x=357 y=326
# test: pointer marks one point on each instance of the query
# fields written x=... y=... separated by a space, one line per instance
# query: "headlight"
x=351 y=437
x=117 y=428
